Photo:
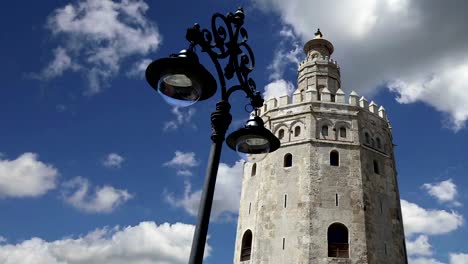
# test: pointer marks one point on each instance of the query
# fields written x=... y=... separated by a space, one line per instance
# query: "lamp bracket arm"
x=227 y=40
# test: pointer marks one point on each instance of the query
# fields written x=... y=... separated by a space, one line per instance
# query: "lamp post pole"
x=222 y=42
x=179 y=76
x=220 y=120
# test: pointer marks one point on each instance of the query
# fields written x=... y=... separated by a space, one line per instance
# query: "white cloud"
x=181 y=117
x=61 y=63
x=184 y=172
x=2 y=239
x=444 y=191
x=283 y=58
x=226 y=197
x=426 y=88
x=418 y=220
x=113 y=160
x=26 y=176
x=388 y=42
x=277 y=89
x=138 y=69
x=458 y=258
x=104 y=199
x=141 y=244
x=97 y=35
x=182 y=159
x=419 y=246
x=423 y=260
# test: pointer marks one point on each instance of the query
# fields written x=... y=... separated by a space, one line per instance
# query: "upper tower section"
x=318 y=72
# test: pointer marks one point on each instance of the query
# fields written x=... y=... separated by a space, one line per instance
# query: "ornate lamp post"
x=182 y=80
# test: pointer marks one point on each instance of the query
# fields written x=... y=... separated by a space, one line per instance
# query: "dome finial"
x=318 y=34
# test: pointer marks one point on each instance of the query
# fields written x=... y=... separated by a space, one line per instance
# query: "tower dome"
x=318 y=71
x=318 y=45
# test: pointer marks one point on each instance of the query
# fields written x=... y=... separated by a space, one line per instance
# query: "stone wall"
x=368 y=203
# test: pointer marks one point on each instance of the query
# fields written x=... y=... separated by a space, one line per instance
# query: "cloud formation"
x=97 y=36
x=181 y=117
x=423 y=260
x=26 y=176
x=444 y=191
x=284 y=57
x=418 y=220
x=278 y=88
x=458 y=258
x=417 y=48
x=419 y=246
x=113 y=160
x=226 y=197
x=182 y=161
x=140 y=244
x=79 y=193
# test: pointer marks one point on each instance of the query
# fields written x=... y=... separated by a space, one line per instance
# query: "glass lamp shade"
x=253 y=142
x=180 y=79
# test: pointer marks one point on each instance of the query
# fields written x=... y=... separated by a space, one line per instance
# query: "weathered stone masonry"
x=341 y=183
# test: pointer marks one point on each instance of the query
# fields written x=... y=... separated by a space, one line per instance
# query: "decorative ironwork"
x=227 y=40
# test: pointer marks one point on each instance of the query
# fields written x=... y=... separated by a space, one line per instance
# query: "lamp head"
x=253 y=142
x=180 y=79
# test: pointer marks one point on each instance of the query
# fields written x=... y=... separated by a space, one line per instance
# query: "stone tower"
x=330 y=193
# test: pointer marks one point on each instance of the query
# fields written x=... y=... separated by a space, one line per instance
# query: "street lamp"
x=181 y=80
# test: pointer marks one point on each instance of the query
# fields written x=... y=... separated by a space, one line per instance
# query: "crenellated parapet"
x=327 y=101
x=318 y=59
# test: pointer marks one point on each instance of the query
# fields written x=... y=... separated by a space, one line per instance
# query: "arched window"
x=372 y=142
x=254 y=169
x=379 y=145
x=376 y=167
x=281 y=134
x=325 y=130
x=367 y=138
x=297 y=131
x=343 y=132
x=246 y=249
x=287 y=160
x=338 y=246
x=332 y=97
x=334 y=158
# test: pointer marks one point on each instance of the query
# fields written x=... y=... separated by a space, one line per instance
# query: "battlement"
x=319 y=59
x=326 y=98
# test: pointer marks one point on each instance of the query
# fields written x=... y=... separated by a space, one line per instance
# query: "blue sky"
x=94 y=161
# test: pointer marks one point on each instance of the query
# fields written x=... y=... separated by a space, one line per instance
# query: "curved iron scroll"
x=227 y=40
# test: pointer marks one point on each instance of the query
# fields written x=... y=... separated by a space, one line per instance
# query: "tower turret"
x=318 y=71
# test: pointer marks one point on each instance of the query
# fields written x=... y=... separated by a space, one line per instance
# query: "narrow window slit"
x=287 y=160
x=284 y=241
x=336 y=199
x=285 y=200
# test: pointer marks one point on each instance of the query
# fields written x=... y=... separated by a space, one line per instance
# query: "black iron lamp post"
x=182 y=80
